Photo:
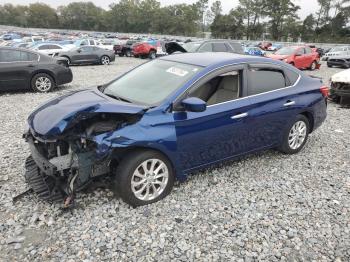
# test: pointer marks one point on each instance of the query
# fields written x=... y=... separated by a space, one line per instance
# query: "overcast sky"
x=307 y=6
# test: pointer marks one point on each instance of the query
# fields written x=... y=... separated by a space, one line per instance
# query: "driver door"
x=222 y=130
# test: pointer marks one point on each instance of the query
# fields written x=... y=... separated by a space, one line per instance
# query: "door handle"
x=289 y=103
x=239 y=116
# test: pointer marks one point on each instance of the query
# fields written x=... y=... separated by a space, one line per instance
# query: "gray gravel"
x=266 y=207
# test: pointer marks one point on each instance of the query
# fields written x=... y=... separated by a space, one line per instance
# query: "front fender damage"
x=71 y=160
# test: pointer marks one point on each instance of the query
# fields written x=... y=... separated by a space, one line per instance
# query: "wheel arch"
x=43 y=71
x=311 y=119
x=119 y=154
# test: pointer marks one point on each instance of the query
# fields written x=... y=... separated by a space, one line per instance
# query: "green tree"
x=41 y=15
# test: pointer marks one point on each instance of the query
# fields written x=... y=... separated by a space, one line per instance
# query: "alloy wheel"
x=150 y=179
x=43 y=84
x=105 y=60
x=297 y=135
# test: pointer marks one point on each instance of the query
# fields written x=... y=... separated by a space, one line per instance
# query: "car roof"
x=209 y=59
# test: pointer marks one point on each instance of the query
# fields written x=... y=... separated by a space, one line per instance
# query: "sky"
x=307 y=6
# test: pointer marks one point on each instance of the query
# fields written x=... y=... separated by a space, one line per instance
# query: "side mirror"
x=79 y=50
x=194 y=104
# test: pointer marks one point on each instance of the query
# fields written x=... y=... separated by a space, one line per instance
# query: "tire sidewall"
x=285 y=143
x=313 y=66
x=126 y=169
x=35 y=77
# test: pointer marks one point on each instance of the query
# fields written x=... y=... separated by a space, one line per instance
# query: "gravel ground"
x=266 y=206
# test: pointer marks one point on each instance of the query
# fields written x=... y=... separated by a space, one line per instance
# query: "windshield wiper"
x=118 y=98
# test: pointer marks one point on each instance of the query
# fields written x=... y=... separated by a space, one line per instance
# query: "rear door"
x=275 y=101
x=86 y=54
x=16 y=68
x=309 y=57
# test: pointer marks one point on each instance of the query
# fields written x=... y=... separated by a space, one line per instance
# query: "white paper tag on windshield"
x=177 y=71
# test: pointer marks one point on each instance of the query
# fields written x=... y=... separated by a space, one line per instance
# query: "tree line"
x=252 y=19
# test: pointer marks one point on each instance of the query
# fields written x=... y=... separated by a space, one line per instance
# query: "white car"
x=107 y=44
x=50 y=49
x=340 y=87
x=339 y=51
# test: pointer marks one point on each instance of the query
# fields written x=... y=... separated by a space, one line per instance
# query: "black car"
x=23 y=69
x=126 y=49
x=88 y=55
x=205 y=46
x=343 y=62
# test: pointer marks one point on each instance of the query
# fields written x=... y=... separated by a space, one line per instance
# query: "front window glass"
x=151 y=83
x=286 y=51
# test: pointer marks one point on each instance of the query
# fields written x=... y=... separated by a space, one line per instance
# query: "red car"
x=144 y=50
x=302 y=57
x=265 y=45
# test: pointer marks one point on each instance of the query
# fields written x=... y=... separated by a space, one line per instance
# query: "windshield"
x=286 y=51
x=152 y=82
x=337 y=49
x=191 y=47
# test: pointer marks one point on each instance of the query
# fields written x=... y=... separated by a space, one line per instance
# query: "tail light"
x=325 y=91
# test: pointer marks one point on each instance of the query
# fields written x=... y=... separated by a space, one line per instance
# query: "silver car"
x=88 y=55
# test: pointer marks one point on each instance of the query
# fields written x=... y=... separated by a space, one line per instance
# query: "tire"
x=287 y=145
x=313 y=66
x=42 y=83
x=329 y=65
x=131 y=169
x=128 y=53
x=105 y=60
x=121 y=54
x=136 y=56
x=152 y=55
x=68 y=59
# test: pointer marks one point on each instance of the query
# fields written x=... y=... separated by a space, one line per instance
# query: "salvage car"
x=144 y=50
x=205 y=46
x=124 y=49
x=343 y=62
x=167 y=118
x=49 y=48
x=88 y=55
x=339 y=51
x=25 y=69
x=340 y=87
x=302 y=57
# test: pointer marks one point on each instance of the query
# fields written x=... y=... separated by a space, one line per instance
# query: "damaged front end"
x=340 y=88
x=65 y=156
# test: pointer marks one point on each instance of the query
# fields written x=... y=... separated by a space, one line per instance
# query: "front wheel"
x=105 y=60
x=42 y=83
x=295 y=136
x=144 y=177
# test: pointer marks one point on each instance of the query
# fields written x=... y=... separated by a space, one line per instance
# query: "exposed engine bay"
x=340 y=88
x=60 y=166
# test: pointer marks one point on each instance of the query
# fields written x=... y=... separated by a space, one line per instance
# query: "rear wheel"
x=128 y=53
x=105 y=60
x=42 y=83
x=295 y=135
x=144 y=177
x=121 y=54
x=152 y=55
x=68 y=59
x=313 y=66
x=329 y=65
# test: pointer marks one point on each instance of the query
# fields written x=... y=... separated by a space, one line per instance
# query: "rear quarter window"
x=292 y=76
x=265 y=80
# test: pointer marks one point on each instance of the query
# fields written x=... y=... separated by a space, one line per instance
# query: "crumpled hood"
x=342 y=77
x=278 y=57
x=52 y=118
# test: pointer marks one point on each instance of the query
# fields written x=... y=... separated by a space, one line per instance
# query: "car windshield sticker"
x=177 y=71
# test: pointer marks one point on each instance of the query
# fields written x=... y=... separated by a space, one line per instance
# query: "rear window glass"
x=265 y=80
x=292 y=76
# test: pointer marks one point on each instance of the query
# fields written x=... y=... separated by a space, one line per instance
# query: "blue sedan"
x=166 y=118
